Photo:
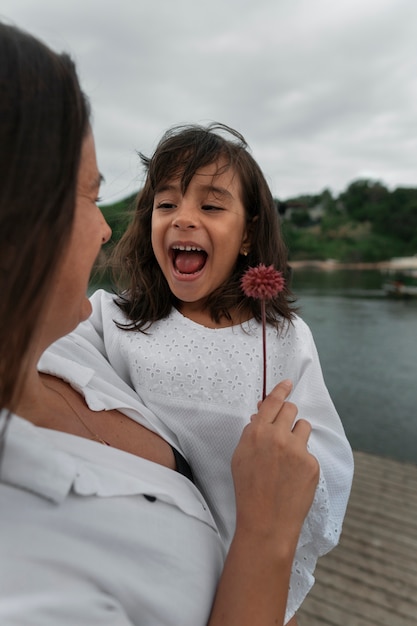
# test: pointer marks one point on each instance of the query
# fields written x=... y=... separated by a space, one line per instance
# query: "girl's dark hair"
x=144 y=295
x=44 y=118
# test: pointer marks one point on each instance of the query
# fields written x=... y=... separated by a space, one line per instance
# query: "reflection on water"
x=353 y=283
x=368 y=349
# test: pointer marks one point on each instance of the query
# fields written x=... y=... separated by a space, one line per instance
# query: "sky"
x=324 y=91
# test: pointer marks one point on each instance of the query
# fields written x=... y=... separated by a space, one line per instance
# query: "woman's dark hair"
x=144 y=295
x=44 y=118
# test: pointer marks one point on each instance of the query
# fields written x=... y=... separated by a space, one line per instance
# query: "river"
x=368 y=350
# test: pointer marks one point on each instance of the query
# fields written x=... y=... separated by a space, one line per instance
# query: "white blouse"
x=203 y=384
x=93 y=535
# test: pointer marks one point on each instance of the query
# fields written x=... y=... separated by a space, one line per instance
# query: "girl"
x=183 y=334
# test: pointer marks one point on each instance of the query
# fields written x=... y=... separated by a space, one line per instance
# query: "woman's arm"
x=275 y=479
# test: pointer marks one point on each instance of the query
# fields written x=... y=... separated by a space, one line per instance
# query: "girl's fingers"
x=271 y=406
x=302 y=429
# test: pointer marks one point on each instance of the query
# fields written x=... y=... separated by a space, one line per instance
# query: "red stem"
x=264 y=346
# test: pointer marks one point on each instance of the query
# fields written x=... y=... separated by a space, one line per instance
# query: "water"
x=368 y=350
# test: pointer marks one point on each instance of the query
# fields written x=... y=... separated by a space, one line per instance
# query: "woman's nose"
x=106 y=232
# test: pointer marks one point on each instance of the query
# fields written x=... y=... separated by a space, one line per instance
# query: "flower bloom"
x=262 y=282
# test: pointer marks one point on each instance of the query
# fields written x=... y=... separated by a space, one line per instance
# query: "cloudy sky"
x=324 y=91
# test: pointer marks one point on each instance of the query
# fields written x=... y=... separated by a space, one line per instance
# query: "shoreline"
x=331 y=264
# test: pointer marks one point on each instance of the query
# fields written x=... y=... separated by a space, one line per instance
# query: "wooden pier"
x=370 y=579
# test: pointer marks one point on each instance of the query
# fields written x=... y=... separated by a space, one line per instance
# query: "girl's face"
x=197 y=237
x=69 y=304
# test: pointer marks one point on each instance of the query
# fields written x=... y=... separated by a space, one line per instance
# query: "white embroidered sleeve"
x=323 y=525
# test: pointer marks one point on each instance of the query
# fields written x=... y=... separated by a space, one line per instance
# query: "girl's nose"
x=185 y=217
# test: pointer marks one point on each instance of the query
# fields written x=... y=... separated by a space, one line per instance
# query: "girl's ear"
x=247 y=238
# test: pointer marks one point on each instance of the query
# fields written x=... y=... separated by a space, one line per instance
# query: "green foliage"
x=301 y=219
x=364 y=199
x=392 y=214
x=119 y=215
x=400 y=216
x=303 y=243
x=366 y=222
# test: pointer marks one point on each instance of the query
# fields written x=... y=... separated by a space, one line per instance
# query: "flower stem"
x=264 y=345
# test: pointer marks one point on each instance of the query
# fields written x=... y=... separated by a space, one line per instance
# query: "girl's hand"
x=274 y=474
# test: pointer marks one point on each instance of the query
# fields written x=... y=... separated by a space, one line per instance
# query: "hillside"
x=365 y=223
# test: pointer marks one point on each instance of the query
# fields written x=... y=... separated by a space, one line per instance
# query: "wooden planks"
x=370 y=579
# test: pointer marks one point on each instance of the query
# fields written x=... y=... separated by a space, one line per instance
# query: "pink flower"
x=262 y=283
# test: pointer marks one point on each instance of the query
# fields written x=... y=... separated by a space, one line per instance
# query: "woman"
x=96 y=526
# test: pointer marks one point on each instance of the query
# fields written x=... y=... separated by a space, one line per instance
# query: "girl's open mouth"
x=188 y=259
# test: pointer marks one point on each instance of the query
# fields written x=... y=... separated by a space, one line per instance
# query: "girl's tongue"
x=189 y=262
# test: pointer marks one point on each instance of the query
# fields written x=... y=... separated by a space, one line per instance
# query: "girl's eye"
x=211 y=207
x=165 y=205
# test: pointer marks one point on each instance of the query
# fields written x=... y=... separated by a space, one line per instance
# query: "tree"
x=364 y=199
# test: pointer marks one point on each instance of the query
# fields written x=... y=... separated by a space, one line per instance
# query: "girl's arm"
x=328 y=443
x=275 y=479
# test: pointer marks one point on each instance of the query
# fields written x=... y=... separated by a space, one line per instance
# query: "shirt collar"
x=29 y=462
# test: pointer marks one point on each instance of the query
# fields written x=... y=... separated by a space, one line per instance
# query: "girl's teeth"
x=187 y=248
